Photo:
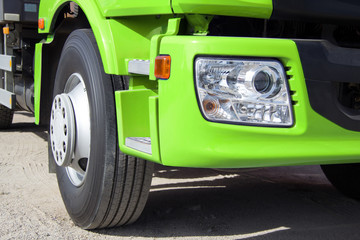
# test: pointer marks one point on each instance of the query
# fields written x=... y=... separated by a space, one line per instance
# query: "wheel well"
x=65 y=23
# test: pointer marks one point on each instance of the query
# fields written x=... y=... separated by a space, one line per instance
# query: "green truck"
x=125 y=84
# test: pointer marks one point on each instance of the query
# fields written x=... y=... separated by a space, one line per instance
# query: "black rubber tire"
x=6 y=117
x=345 y=178
x=116 y=186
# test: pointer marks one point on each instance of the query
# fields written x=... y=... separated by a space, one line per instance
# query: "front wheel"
x=100 y=186
x=345 y=178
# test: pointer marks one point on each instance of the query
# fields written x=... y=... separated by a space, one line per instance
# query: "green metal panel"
x=49 y=10
x=131 y=38
x=137 y=116
x=187 y=139
x=118 y=39
x=37 y=76
x=37 y=81
x=115 y=8
x=241 y=8
x=172 y=29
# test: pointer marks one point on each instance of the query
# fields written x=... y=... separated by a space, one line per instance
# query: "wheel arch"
x=57 y=29
x=51 y=12
x=115 y=49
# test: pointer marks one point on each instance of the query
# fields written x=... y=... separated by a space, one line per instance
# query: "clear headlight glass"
x=243 y=91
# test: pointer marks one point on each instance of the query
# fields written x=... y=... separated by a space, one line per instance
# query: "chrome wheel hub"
x=70 y=129
x=62 y=130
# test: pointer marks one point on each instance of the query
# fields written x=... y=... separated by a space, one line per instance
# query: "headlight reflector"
x=243 y=91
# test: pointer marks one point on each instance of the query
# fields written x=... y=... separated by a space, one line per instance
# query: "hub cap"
x=70 y=129
x=61 y=130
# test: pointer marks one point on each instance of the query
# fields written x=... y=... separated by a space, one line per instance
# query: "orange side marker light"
x=162 y=66
x=6 y=30
x=41 y=23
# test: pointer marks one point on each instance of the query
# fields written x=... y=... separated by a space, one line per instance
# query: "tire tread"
x=131 y=182
x=125 y=180
x=132 y=192
x=344 y=177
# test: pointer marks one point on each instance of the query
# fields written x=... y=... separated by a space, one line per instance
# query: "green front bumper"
x=186 y=139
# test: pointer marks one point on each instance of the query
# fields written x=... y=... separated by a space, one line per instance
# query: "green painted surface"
x=187 y=139
x=172 y=29
x=132 y=38
x=49 y=9
x=37 y=81
x=171 y=116
x=142 y=82
x=118 y=39
x=37 y=76
x=137 y=117
x=114 y=8
x=241 y=8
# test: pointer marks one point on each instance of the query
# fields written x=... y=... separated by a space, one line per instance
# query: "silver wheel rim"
x=70 y=129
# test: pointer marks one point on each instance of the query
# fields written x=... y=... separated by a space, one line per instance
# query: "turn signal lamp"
x=243 y=91
x=162 y=66
x=6 y=30
x=41 y=23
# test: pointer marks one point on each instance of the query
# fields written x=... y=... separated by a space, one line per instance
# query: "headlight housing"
x=243 y=91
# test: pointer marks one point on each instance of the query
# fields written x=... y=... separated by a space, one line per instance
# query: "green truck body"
x=167 y=113
x=128 y=30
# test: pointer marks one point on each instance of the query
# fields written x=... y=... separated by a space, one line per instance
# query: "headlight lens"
x=243 y=91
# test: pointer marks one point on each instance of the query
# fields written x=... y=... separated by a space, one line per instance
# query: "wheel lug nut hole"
x=55 y=104
x=64 y=146
x=65 y=130
x=63 y=112
x=59 y=103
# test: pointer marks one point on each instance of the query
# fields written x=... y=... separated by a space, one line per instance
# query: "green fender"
x=49 y=10
x=118 y=38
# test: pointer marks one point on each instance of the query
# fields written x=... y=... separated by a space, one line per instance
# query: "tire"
x=100 y=186
x=6 y=117
x=345 y=178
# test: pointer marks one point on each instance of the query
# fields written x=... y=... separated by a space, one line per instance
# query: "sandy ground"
x=271 y=203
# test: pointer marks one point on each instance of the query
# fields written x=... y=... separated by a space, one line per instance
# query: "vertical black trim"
x=325 y=67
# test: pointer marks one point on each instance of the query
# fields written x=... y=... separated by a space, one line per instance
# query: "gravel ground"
x=270 y=203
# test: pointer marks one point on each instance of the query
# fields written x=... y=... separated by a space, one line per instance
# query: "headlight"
x=243 y=91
